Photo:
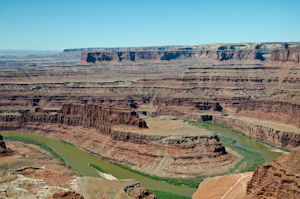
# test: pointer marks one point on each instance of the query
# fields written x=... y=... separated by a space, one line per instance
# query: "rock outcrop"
x=90 y=188
x=284 y=139
x=187 y=102
x=286 y=55
x=278 y=111
x=105 y=114
x=3 y=150
x=66 y=195
x=279 y=179
x=136 y=191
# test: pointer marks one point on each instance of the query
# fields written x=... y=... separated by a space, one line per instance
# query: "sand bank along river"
x=79 y=159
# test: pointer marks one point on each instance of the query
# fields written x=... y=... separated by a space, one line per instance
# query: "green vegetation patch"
x=167 y=195
x=189 y=182
x=250 y=160
x=35 y=142
x=196 y=122
x=67 y=143
x=98 y=168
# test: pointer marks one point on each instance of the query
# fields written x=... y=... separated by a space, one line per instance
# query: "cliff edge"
x=279 y=179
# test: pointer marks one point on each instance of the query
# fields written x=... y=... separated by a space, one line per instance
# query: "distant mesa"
x=258 y=53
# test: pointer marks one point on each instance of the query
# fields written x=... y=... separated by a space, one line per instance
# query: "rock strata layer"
x=279 y=179
x=286 y=55
x=278 y=111
x=250 y=53
x=284 y=139
x=93 y=128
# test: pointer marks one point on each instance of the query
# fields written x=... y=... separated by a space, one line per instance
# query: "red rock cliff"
x=286 y=55
x=272 y=136
x=279 y=179
x=187 y=102
x=278 y=111
x=104 y=113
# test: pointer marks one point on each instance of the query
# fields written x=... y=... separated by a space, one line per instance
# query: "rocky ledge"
x=279 y=179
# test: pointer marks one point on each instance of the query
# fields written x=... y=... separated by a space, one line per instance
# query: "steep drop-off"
x=279 y=179
x=286 y=55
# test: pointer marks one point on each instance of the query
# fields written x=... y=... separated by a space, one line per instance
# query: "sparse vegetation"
x=250 y=159
x=98 y=168
x=189 y=182
x=67 y=143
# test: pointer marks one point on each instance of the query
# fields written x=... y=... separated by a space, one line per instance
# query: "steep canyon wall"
x=284 y=139
x=92 y=127
x=279 y=179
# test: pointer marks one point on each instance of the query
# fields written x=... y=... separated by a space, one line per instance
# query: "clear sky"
x=61 y=24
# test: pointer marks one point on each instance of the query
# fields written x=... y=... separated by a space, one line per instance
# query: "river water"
x=79 y=159
x=267 y=152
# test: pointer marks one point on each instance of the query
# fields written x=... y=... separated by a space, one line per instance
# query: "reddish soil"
x=224 y=187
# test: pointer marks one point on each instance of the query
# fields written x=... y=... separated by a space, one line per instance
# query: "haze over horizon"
x=58 y=25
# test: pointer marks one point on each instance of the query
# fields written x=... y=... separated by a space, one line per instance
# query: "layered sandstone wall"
x=201 y=53
x=279 y=179
x=104 y=113
x=278 y=111
x=187 y=102
x=286 y=55
x=157 y=155
x=159 y=56
x=266 y=134
x=85 y=126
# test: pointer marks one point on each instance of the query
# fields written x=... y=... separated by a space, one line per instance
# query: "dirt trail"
x=229 y=186
x=223 y=197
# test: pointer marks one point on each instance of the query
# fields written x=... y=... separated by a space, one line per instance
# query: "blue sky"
x=61 y=24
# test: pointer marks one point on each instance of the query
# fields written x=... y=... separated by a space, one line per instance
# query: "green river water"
x=79 y=159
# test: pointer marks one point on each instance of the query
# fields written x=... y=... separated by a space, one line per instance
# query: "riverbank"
x=72 y=154
x=33 y=172
x=285 y=137
x=268 y=152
